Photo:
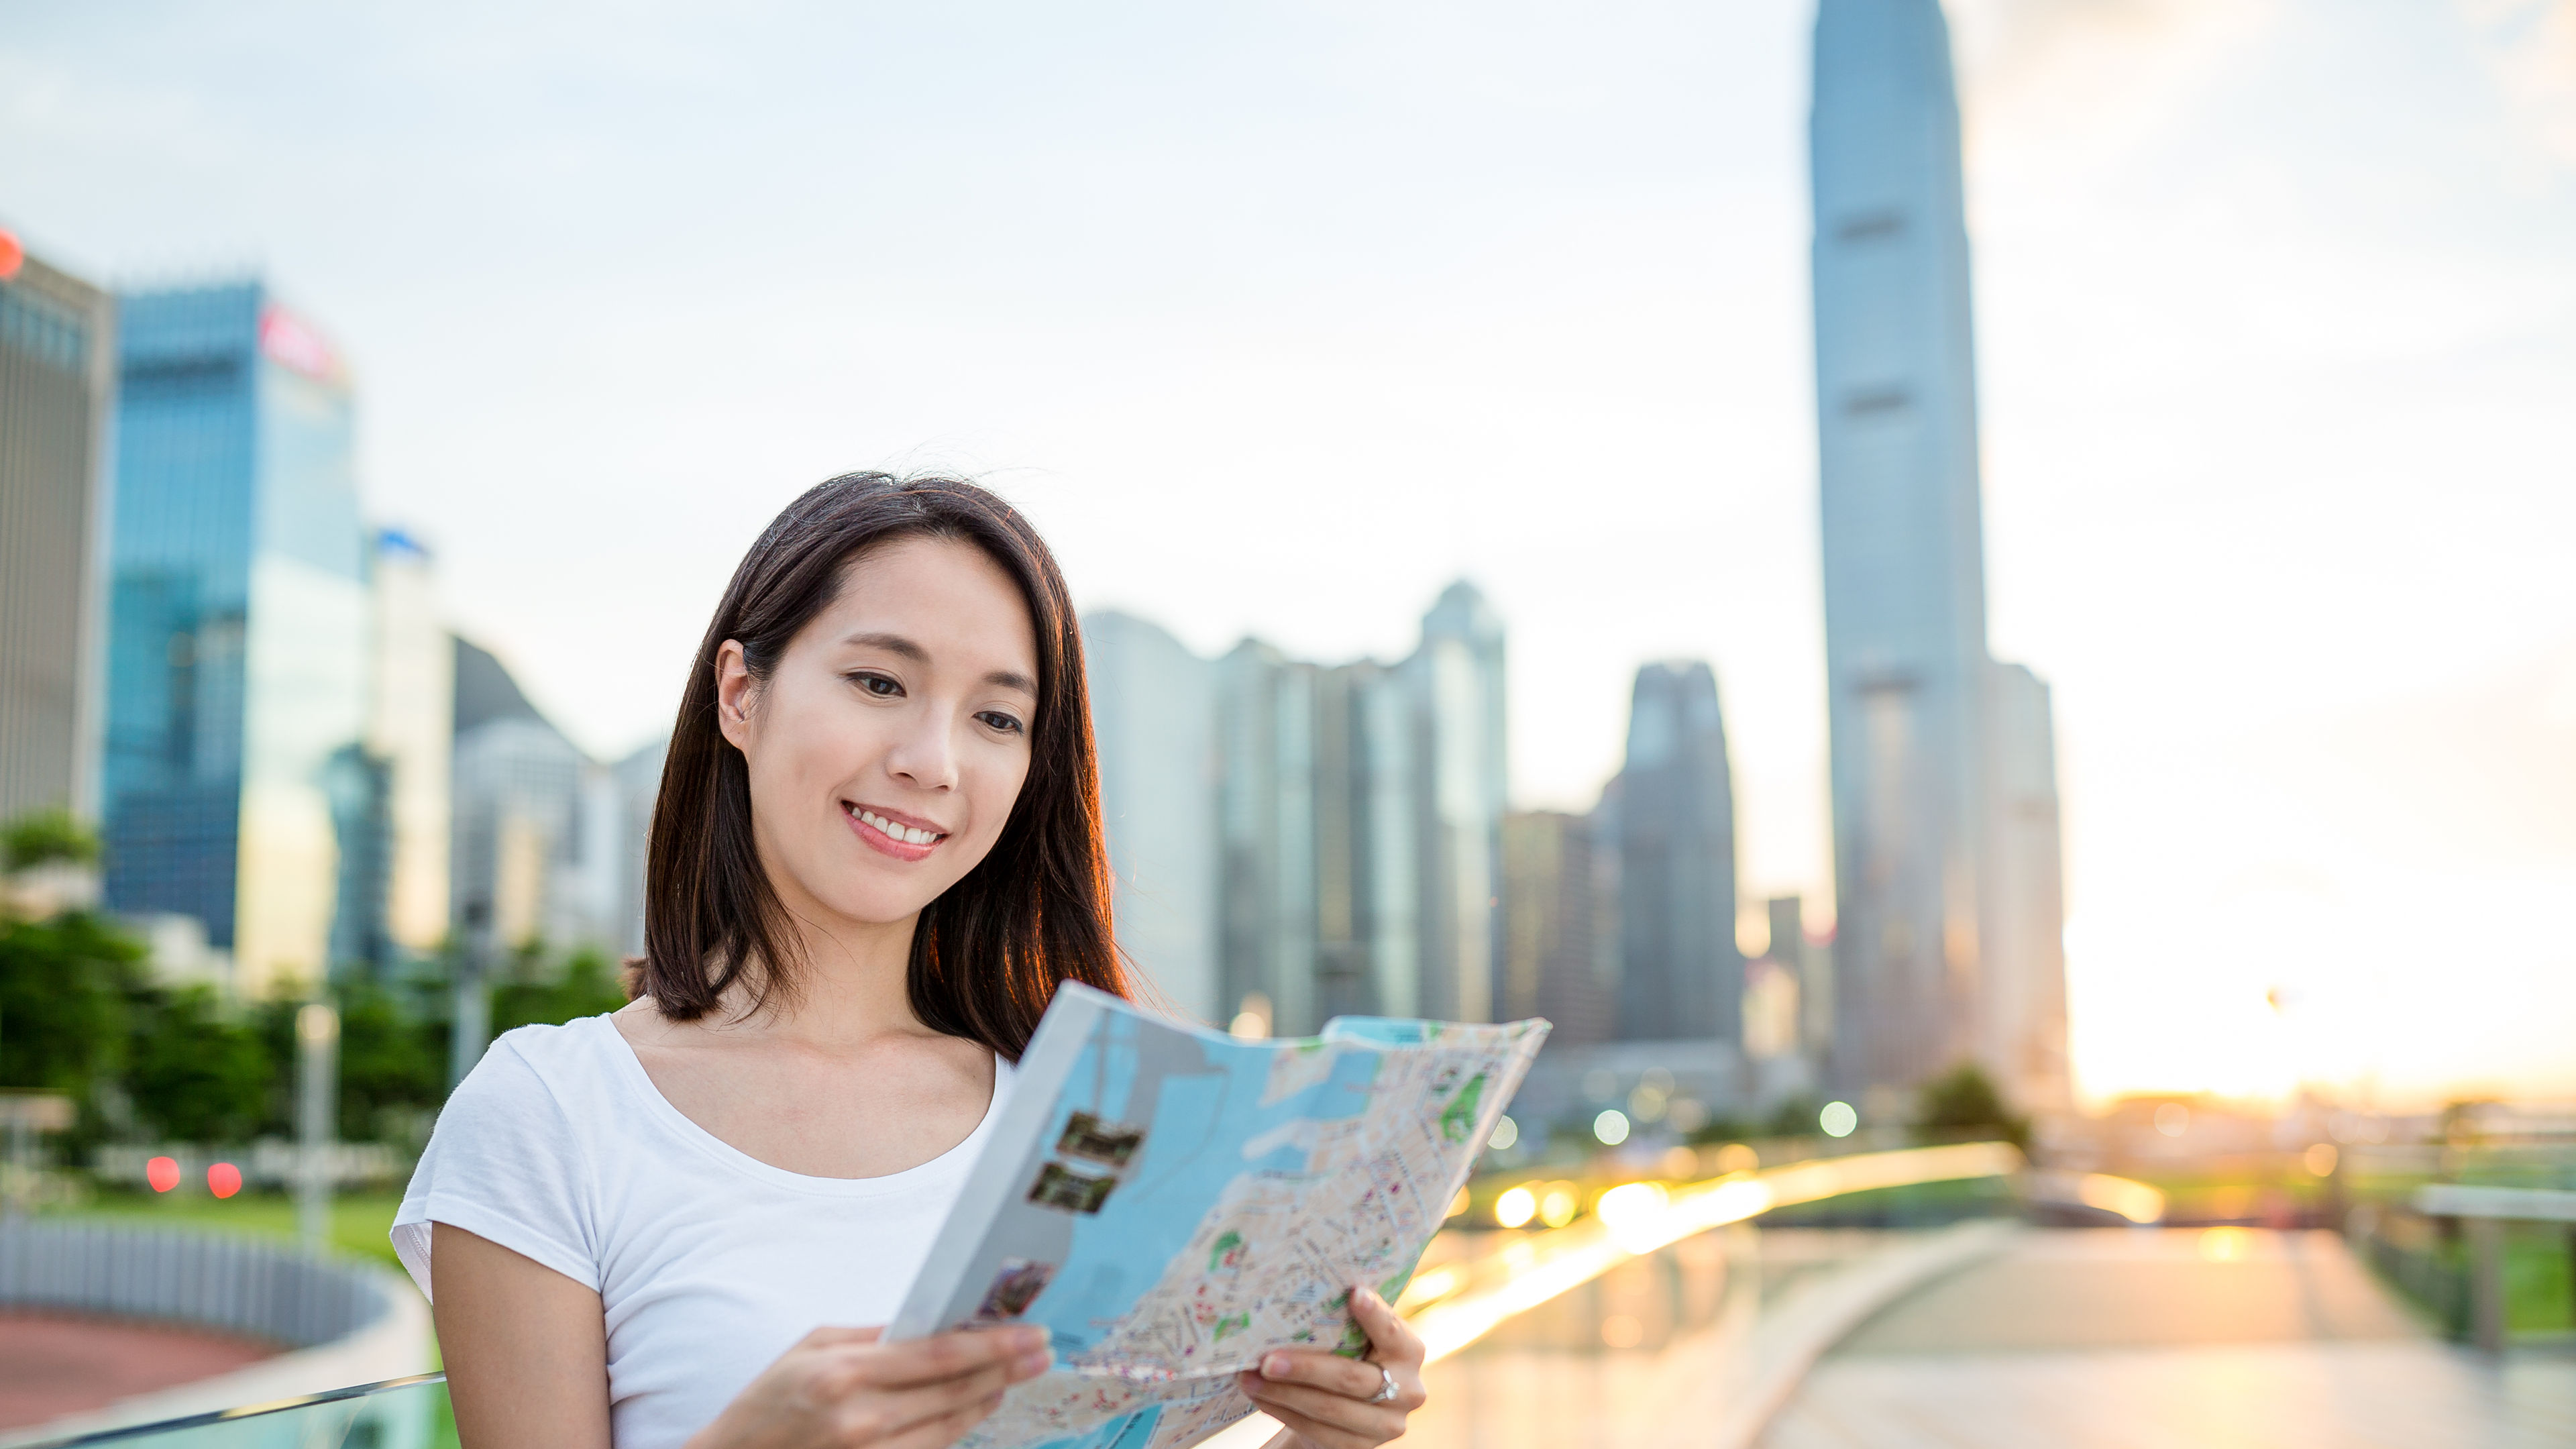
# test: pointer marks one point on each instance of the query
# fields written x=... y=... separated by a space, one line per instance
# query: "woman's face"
x=888 y=746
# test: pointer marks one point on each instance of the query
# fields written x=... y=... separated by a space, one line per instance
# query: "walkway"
x=52 y=1364
x=2140 y=1339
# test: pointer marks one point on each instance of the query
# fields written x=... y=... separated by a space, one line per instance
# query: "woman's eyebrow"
x=892 y=644
x=897 y=644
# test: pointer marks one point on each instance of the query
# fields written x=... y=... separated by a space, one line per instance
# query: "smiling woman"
x=922 y=627
x=876 y=854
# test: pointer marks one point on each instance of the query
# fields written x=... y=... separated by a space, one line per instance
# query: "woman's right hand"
x=840 y=1388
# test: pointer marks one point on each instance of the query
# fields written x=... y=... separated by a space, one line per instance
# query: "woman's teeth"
x=904 y=833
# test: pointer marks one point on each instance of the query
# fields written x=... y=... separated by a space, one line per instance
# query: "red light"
x=162 y=1173
x=13 y=254
x=223 y=1179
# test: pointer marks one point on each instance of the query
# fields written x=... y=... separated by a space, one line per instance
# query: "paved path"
x=56 y=1364
x=2196 y=1339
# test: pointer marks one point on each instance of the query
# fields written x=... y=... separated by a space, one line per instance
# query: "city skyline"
x=2190 y=296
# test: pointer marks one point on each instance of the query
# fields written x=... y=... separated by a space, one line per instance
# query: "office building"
x=57 y=386
x=410 y=729
x=1681 y=974
x=1331 y=833
x=239 y=632
x=1153 y=723
x=1456 y=679
x=1560 y=928
x=2022 y=1018
x=1904 y=570
x=637 y=782
x=540 y=846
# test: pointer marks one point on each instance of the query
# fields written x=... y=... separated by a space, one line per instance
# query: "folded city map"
x=1172 y=1203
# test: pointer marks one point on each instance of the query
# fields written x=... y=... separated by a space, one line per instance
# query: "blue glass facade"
x=238 y=628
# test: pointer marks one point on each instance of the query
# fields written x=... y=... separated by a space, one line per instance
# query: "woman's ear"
x=733 y=694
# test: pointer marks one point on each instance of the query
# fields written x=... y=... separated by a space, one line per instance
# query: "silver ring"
x=1386 y=1390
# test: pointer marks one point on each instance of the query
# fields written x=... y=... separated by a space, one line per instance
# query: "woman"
x=876 y=854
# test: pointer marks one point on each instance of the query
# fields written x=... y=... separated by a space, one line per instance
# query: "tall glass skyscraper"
x=1904 y=562
x=238 y=633
x=1681 y=973
x=57 y=378
x=1945 y=837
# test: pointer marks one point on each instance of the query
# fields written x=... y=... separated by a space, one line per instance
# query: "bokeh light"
x=1611 y=1127
x=1515 y=1207
x=162 y=1173
x=1507 y=1133
x=223 y=1179
x=1838 y=1119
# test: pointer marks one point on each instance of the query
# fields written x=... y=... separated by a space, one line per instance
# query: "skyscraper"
x=238 y=631
x=1331 y=832
x=1456 y=681
x=1681 y=974
x=2022 y=1019
x=1560 y=928
x=539 y=849
x=1153 y=721
x=1904 y=568
x=410 y=727
x=57 y=380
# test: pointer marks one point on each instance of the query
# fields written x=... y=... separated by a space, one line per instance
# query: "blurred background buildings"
x=302 y=774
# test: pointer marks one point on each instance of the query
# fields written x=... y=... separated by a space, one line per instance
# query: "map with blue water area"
x=1172 y=1203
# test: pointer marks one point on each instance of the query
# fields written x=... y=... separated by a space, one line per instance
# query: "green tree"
x=195 y=1072
x=549 y=994
x=1963 y=1101
x=1795 y=1117
x=65 y=985
x=42 y=837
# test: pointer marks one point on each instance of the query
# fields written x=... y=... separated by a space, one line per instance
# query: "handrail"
x=1640 y=1218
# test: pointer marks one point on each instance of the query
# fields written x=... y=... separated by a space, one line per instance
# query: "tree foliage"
x=1963 y=1101
x=46 y=837
x=66 y=986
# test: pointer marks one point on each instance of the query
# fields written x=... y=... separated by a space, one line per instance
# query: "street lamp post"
x=317 y=1071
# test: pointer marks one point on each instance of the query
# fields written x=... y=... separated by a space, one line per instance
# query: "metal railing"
x=239 y=1285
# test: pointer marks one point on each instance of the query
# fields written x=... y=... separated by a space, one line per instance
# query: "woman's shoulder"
x=573 y=1062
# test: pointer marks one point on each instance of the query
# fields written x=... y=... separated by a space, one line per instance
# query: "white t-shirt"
x=709 y=1263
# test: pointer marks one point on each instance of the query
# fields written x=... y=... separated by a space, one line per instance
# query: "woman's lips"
x=891 y=837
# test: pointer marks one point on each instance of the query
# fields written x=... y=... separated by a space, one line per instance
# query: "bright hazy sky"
x=1277 y=317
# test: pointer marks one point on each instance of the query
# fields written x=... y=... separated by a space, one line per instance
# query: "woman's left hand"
x=1331 y=1402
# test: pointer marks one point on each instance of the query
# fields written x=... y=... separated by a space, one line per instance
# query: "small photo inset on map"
x=1061 y=1187
x=1014 y=1289
x=1109 y=1142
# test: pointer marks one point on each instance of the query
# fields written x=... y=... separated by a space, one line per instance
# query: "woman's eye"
x=1000 y=721
x=878 y=685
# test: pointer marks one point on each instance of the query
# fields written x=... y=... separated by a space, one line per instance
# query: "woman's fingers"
x=1331 y=1373
x=1391 y=1339
x=943 y=1431
x=1326 y=1435
x=877 y=1418
x=1021 y=1352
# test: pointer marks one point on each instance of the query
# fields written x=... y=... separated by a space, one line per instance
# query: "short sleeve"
x=505 y=1164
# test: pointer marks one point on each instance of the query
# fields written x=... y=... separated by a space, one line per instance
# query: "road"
x=2142 y=1339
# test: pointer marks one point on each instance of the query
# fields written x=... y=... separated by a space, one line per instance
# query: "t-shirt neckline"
x=629 y=1069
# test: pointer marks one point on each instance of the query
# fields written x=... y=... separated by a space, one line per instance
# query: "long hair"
x=988 y=954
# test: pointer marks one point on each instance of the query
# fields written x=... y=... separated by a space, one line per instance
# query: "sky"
x=1278 y=317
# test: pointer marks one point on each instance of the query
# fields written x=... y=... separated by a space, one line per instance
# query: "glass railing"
x=1645 y=1267
x=405 y=1413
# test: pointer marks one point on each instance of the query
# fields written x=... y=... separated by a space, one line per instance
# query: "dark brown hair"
x=988 y=954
